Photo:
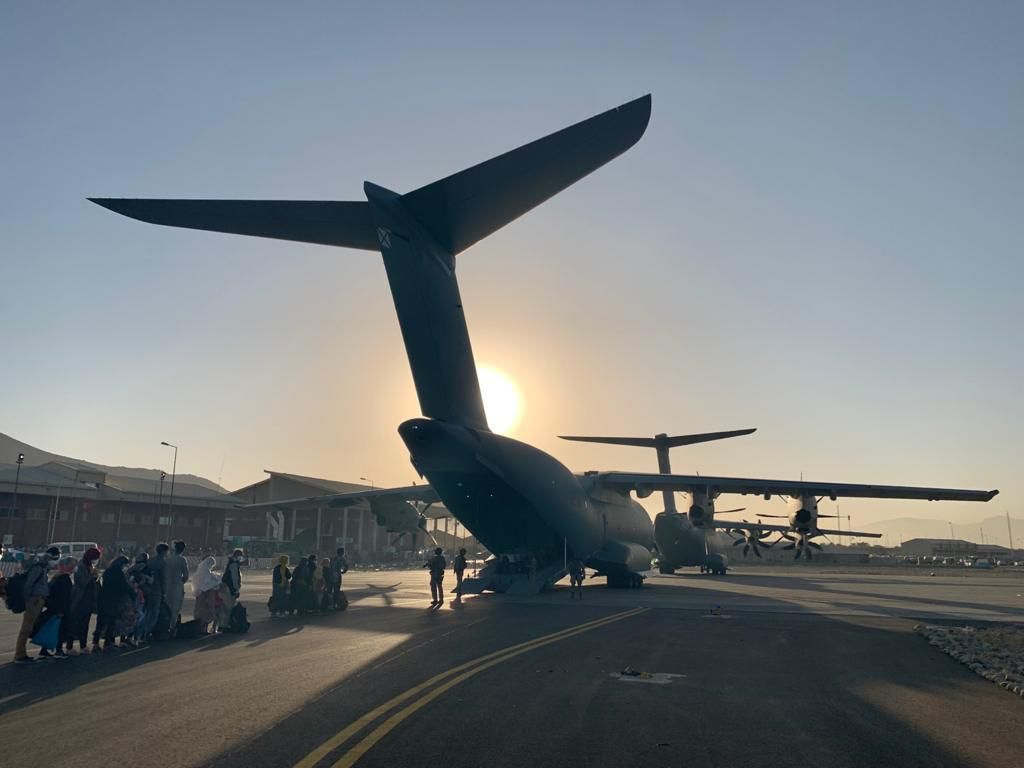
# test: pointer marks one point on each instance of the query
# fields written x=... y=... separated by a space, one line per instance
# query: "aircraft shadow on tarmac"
x=800 y=683
x=899 y=605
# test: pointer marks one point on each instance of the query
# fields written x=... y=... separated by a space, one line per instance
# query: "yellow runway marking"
x=467 y=670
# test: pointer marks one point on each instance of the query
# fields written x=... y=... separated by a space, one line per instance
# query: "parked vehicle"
x=74 y=548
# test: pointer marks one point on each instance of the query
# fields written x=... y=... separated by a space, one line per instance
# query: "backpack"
x=239 y=620
x=15 y=598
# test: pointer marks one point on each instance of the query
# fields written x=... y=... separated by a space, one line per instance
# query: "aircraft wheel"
x=666 y=570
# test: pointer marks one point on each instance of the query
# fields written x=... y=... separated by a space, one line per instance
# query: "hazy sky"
x=820 y=235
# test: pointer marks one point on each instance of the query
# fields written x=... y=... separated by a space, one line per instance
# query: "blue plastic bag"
x=48 y=634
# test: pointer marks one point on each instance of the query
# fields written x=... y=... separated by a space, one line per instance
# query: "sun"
x=503 y=402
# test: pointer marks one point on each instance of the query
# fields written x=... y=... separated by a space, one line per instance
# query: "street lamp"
x=170 y=504
x=17 y=479
x=368 y=480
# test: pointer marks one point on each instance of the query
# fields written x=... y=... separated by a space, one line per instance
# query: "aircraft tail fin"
x=325 y=222
x=463 y=208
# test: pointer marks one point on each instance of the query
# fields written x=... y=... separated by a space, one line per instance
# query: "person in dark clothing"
x=279 y=585
x=338 y=567
x=437 y=565
x=83 y=600
x=302 y=586
x=459 y=568
x=233 y=573
x=114 y=593
x=58 y=602
x=158 y=621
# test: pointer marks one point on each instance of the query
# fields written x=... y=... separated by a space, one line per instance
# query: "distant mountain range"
x=34 y=457
x=991 y=530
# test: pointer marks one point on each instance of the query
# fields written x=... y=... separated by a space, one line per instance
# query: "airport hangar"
x=65 y=501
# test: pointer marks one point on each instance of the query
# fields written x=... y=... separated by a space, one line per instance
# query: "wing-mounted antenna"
x=662 y=443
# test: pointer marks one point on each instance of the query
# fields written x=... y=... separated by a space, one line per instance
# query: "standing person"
x=141 y=581
x=36 y=589
x=437 y=565
x=459 y=568
x=339 y=567
x=158 y=623
x=577 y=573
x=84 y=589
x=302 y=578
x=57 y=604
x=204 y=587
x=233 y=577
x=323 y=587
x=175 y=577
x=279 y=588
x=115 y=592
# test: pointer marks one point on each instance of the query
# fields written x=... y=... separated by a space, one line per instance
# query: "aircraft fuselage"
x=519 y=501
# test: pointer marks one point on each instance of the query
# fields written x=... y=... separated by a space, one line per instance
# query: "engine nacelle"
x=700 y=508
x=803 y=513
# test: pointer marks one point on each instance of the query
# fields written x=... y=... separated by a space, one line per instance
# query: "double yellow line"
x=444 y=681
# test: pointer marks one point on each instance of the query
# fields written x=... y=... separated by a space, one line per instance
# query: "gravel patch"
x=995 y=652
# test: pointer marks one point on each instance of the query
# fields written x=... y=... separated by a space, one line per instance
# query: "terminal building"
x=957 y=548
x=130 y=509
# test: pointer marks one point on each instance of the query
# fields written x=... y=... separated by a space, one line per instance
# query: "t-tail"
x=419 y=233
x=662 y=443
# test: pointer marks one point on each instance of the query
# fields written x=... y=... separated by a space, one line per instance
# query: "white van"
x=74 y=548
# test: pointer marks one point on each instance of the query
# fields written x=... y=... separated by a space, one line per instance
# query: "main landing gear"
x=626 y=581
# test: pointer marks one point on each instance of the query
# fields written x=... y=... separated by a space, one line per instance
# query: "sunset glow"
x=503 y=401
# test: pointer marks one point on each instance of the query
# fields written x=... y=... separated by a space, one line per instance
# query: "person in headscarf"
x=174 y=584
x=278 y=604
x=115 y=594
x=58 y=603
x=141 y=580
x=204 y=586
x=83 y=600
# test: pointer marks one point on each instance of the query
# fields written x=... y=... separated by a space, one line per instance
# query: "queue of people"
x=139 y=601
x=312 y=586
x=133 y=603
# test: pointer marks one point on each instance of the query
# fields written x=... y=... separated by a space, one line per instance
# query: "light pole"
x=368 y=480
x=952 y=550
x=170 y=504
x=17 y=479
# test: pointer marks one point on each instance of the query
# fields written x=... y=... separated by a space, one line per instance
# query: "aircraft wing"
x=643 y=484
x=745 y=525
x=422 y=493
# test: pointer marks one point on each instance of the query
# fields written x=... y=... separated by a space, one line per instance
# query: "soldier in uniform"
x=459 y=567
x=437 y=565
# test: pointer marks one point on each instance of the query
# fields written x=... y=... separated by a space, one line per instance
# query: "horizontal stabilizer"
x=660 y=441
x=467 y=206
x=325 y=222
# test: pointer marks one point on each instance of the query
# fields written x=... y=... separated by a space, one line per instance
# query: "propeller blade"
x=797 y=555
x=746 y=549
x=807 y=554
x=815 y=545
x=790 y=546
x=757 y=552
x=727 y=511
x=738 y=542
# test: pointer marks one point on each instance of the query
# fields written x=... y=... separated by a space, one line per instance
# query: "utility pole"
x=170 y=504
x=17 y=480
x=1009 y=531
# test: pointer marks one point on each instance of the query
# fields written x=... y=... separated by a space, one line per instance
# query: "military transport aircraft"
x=694 y=538
x=517 y=500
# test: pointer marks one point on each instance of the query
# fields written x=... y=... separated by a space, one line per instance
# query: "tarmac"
x=798 y=665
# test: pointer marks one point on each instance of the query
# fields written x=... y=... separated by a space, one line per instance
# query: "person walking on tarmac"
x=459 y=568
x=577 y=573
x=437 y=565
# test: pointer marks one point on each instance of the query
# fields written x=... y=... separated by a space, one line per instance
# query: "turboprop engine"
x=803 y=513
x=700 y=506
